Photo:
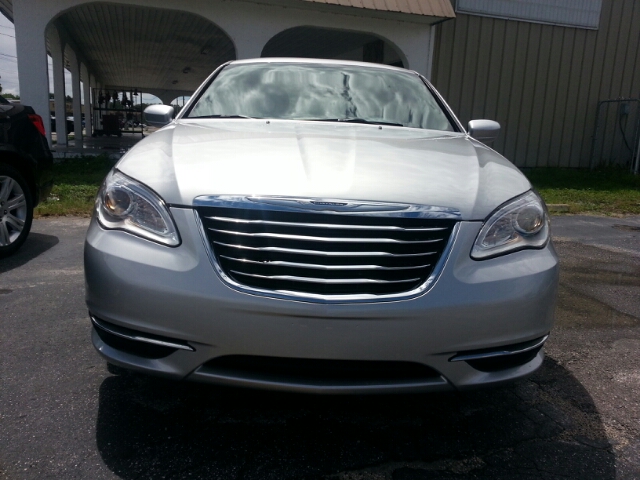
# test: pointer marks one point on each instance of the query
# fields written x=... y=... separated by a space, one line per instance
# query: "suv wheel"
x=16 y=210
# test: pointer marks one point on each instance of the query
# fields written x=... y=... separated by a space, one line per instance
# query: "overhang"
x=429 y=8
x=426 y=8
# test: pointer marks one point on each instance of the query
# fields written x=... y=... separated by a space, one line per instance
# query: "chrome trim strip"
x=312 y=266
x=306 y=238
x=497 y=353
x=346 y=207
x=327 y=225
x=324 y=254
x=325 y=281
x=329 y=299
x=138 y=338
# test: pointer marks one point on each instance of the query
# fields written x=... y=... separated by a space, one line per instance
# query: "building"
x=168 y=48
x=542 y=68
x=562 y=78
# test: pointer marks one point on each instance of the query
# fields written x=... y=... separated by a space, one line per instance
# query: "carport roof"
x=431 y=8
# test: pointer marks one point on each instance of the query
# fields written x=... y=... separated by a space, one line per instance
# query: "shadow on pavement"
x=543 y=427
x=35 y=245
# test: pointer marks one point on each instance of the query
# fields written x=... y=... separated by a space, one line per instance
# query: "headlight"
x=521 y=223
x=124 y=204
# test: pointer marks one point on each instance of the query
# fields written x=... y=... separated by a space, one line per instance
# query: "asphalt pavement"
x=63 y=415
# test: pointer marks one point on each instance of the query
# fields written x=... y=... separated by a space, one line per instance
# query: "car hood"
x=195 y=157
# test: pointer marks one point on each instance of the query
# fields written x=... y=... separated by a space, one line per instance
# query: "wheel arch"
x=22 y=165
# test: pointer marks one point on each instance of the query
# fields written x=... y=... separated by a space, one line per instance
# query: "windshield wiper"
x=355 y=120
x=222 y=116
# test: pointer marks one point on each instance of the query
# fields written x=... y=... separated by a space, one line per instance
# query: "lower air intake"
x=316 y=371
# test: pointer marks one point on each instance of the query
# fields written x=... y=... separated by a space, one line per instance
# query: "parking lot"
x=64 y=415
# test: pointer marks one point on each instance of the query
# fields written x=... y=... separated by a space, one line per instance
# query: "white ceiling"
x=146 y=48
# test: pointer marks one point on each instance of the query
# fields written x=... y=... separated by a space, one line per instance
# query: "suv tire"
x=16 y=210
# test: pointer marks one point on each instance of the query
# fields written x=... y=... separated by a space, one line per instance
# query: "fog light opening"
x=137 y=343
x=501 y=358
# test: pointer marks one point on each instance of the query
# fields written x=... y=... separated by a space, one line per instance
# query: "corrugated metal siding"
x=431 y=8
x=582 y=13
x=543 y=83
x=6 y=8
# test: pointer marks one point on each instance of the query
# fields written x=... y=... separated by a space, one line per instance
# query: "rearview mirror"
x=484 y=130
x=158 y=115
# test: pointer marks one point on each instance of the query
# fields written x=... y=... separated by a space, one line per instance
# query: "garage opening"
x=315 y=42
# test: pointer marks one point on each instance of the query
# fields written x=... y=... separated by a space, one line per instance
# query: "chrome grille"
x=323 y=253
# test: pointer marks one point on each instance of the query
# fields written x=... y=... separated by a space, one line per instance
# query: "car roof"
x=321 y=61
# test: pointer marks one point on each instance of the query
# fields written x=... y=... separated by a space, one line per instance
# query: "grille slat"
x=279 y=263
x=324 y=253
x=334 y=281
x=326 y=225
x=307 y=238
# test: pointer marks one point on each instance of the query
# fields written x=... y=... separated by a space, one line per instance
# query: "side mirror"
x=484 y=130
x=158 y=115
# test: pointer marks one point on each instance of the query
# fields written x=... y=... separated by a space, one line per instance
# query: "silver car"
x=320 y=226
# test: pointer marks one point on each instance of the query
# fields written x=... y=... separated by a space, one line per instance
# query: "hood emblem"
x=330 y=204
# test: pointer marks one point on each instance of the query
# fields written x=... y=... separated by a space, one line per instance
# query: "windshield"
x=322 y=93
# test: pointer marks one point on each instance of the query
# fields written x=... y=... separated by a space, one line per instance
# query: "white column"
x=57 y=55
x=166 y=97
x=248 y=46
x=417 y=48
x=432 y=46
x=86 y=84
x=248 y=28
x=33 y=73
x=75 y=88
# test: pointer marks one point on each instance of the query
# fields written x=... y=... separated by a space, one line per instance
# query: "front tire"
x=16 y=210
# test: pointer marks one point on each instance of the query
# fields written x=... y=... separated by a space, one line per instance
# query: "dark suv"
x=25 y=172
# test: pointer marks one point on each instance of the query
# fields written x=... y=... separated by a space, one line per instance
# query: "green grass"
x=604 y=191
x=76 y=182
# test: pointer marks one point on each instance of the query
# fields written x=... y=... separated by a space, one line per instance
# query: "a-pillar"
x=74 y=66
x=57 y=57
x=86 y=85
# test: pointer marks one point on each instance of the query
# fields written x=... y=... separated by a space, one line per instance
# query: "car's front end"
x=320 y=257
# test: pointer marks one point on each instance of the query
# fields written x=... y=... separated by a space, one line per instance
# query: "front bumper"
x=175 y=293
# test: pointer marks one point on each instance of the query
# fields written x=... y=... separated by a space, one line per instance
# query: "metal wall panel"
x=543 y=83
x=579 y=13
